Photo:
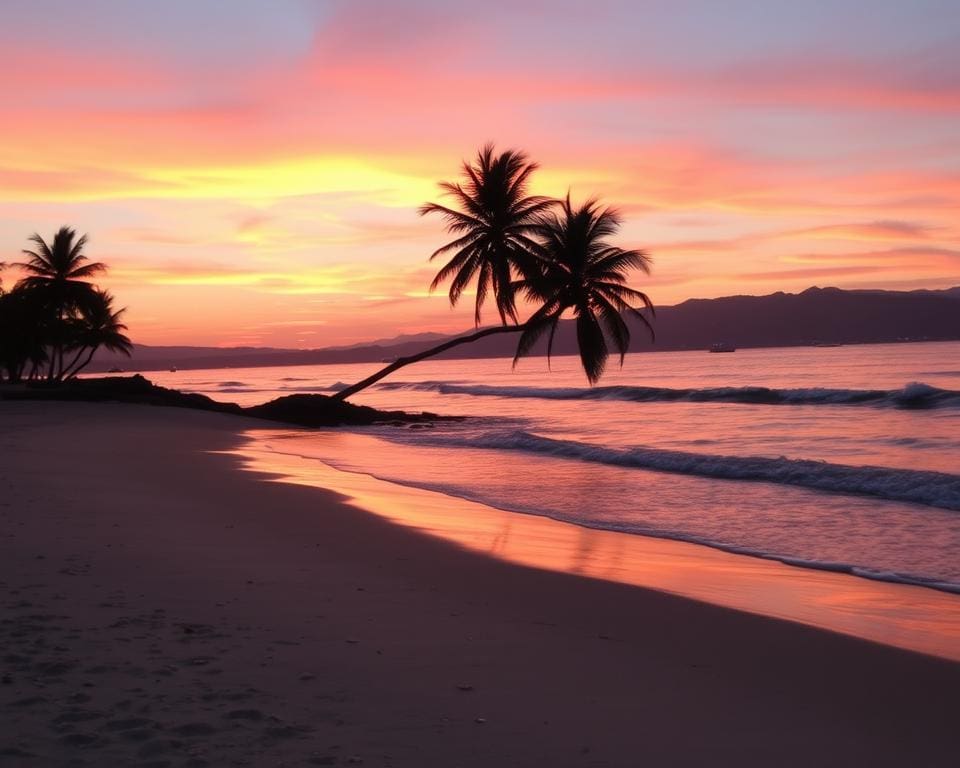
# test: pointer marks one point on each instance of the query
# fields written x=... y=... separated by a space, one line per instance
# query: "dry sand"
x=162 y=608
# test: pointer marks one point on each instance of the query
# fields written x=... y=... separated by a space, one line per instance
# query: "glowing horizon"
x=261 y=188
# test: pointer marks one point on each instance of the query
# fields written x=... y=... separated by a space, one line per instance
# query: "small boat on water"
x=722 y=346
x=173 y=369
x=115 y=370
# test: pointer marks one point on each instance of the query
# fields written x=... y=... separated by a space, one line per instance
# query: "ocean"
x=837 y=458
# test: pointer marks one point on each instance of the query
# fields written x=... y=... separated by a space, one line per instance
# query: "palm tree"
x=59 y=269
x=494 y=223
x=99 y=325
x=24 y=332
x=567 y=265
x=582 y=273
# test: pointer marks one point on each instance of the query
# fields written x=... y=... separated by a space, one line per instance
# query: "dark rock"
x=301 y=409
x=324 y=411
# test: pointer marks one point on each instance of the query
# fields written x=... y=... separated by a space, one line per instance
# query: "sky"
x=251 y=171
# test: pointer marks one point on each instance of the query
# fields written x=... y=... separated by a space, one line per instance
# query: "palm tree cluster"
x=555 y=255
x=54 y=320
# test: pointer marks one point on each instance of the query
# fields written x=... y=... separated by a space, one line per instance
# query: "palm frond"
x=544 y=319
x=503 y=291
x=484 y=279
x=87 y=270
x=76 y=251
x=45 y=253
x=495 y=224
x=463 y=277
x=591 y=344
x=456 y=221
x=615 y=327
x=461 y=243
x=615 y=259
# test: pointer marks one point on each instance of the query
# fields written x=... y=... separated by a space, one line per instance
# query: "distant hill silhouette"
x=815 y=316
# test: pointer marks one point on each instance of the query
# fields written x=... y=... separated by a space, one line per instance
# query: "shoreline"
x=913 y=617
x=164 y=604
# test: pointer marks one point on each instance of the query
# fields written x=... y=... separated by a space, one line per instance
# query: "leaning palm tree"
x=494 y=221
x=60 y=269
x=574 y=270
x=585 y=275
x=99 y=325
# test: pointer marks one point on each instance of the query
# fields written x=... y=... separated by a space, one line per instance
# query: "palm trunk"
x=66 y=373
x=60 y=352
x=83 y=365
x=56 y=349
x=400 y=362
x=53 y=363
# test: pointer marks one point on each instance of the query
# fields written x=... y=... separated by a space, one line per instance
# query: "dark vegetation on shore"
x=302 y=410
x=54 y=320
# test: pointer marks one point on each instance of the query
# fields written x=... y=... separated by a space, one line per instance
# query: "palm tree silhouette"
x=494 y=222
x=99 y=325
x=583 y=273
x=59 y=271
x=24 y=332
x=562 y=262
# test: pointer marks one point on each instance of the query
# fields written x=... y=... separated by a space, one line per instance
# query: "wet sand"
x=162 y=607
x=907 y=616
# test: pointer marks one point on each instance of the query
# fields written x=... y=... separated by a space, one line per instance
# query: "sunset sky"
x=251 y=170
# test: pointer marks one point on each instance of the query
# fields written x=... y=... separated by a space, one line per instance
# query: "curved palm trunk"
x=400 y=362
x=70 y=373
x=60 y=368
x=56 y=349
x=66 y=371
x=52 y=367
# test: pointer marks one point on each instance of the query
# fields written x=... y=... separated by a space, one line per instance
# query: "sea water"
x=841 y=458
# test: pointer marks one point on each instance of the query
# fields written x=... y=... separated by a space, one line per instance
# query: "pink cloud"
x=873 y=230
x=414 y=89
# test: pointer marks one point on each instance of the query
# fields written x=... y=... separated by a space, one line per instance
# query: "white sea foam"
x=934 y=489
x=914 y=395
x=627 y=526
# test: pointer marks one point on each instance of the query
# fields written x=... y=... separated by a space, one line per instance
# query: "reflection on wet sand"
x=909 y=617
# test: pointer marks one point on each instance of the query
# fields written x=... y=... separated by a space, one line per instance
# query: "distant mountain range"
x=815 y=316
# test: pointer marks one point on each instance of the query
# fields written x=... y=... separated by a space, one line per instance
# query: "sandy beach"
x=162 y=607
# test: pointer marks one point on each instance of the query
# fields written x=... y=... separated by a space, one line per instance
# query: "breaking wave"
x=934 y=489
x=915 y=395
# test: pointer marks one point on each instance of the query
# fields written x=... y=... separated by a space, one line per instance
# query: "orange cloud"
x=875 y=230
x=907 y=258
x=814 y=273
